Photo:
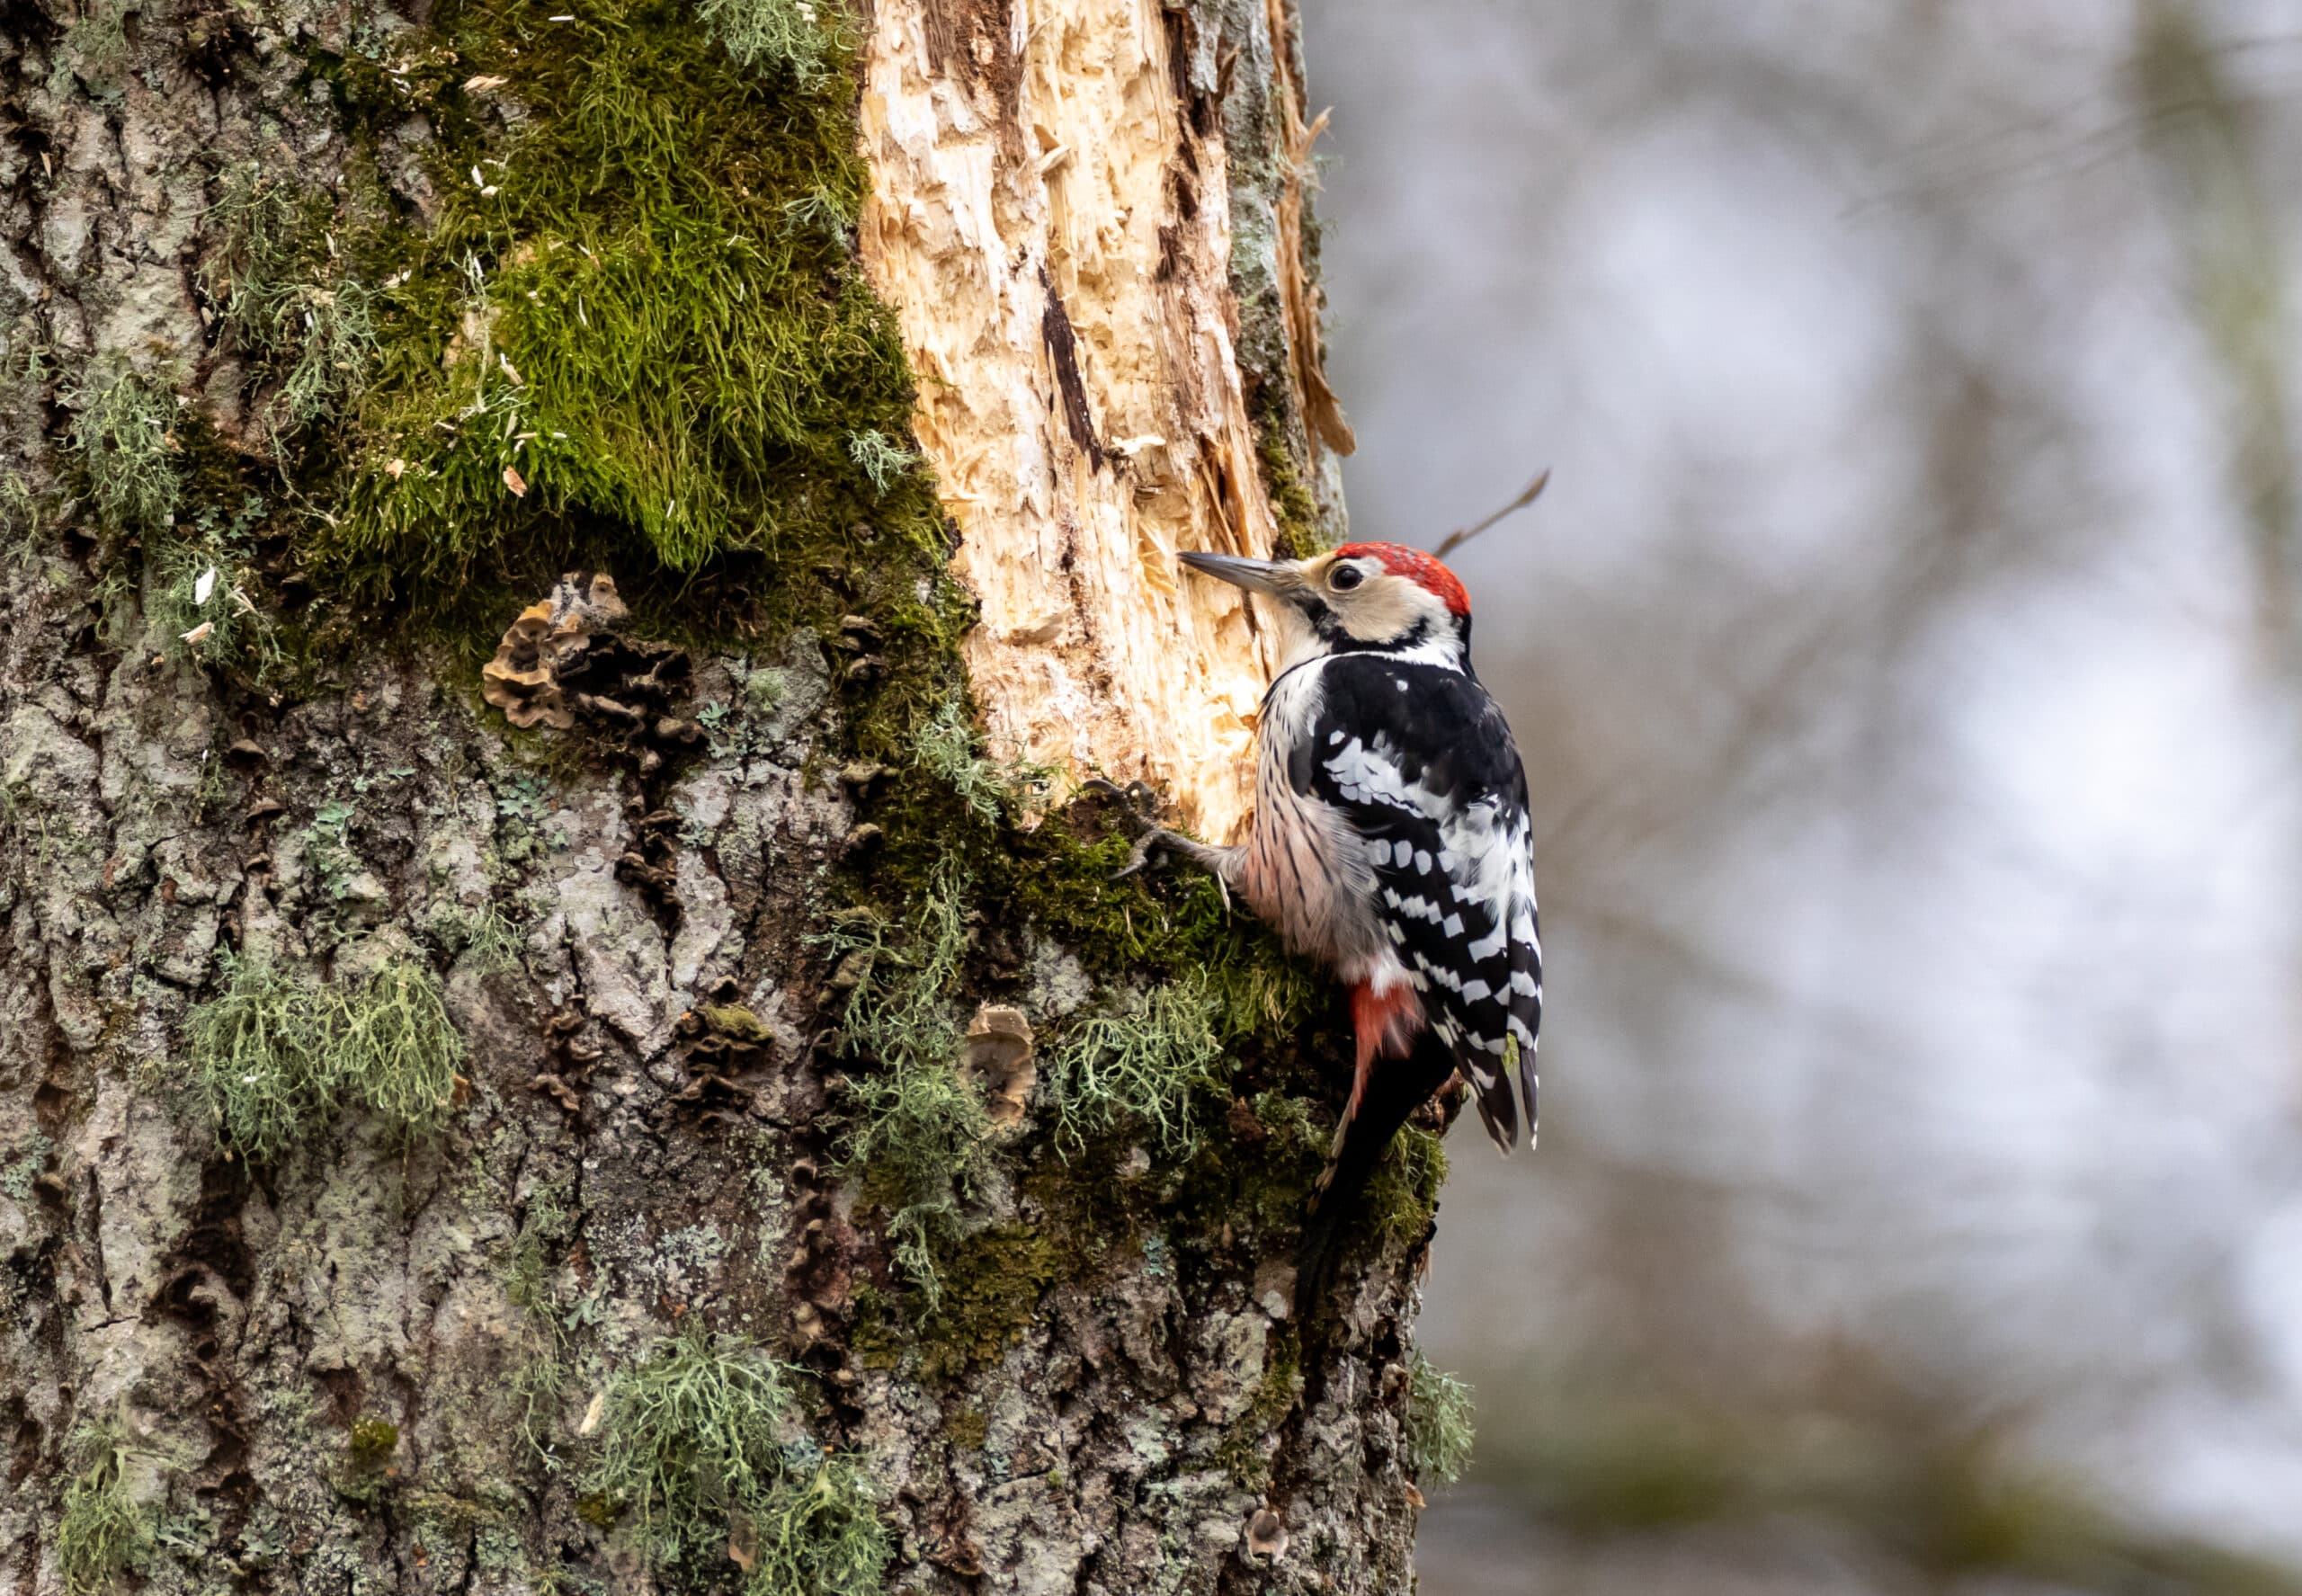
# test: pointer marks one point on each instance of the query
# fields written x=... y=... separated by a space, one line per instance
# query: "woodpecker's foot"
x=1136 y=798
x=1139 y=805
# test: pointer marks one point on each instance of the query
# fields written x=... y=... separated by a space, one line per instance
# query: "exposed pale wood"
x=1055 y=238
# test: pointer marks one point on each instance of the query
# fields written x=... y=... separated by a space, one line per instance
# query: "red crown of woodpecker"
x=1417 y=567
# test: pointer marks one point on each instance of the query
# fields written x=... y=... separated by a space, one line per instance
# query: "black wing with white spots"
x=1418 y=758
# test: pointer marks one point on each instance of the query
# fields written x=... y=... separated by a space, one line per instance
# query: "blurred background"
x=1906 y=657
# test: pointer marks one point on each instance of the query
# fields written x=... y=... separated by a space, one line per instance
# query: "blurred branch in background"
x=1526 y=495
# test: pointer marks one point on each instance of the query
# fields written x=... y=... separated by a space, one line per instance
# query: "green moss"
x=968 y=1427
x=877 y=1335
x=1437 y=1427
x=1176 y=924
x=1300 y=533
x=104 y=1530
x=276 y=1054
x=702 y=1451
x=1267 y=1185
x=1404 y=1195
x=122 y=434
x=617 y=319
x=1222 y=1002
x=373 y=1442
x=992 y=1284
x=1148 y=1067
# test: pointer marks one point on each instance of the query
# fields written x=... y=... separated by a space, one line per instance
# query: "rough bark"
x=404 y=1343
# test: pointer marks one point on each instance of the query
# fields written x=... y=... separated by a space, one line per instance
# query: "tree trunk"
x=666 y=1095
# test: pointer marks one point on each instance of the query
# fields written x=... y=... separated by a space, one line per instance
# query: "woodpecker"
x=1390 y=841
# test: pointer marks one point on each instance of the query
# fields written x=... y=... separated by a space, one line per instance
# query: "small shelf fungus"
x=564 y=662
x=999 y=1054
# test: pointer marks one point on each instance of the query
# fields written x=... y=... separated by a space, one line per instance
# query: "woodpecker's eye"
x=1345 y=577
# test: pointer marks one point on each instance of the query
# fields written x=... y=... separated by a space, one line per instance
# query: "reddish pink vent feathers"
x=1416 y=567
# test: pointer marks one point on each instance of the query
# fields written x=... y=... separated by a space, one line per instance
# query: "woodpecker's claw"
x=1140 y=854
x=1138 y=803
x=1136 y=798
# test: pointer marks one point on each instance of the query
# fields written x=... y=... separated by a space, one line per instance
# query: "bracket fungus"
x=1000 y=1055
x=524 y=679
x=564 y=661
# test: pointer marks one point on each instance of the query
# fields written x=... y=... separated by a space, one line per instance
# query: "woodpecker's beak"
x=1274 y=578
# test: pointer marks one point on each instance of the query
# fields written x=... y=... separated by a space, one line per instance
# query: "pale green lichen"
x=277 y=1053
x=899 y=1010
x=777 y=36
x=396 y=1050
x=703 y=1452
x=1246 y=1447
x=484 y=935
x=122 y=433
x=104 y=1530
x=17 y=1175
x=21 y=522
x=948 y=746
x=881 y=457
x=279 y=275
x=540 y=1378
x=251 y=1054
x=94 y=47
x=917 y=1128
x=1146 y=1067
x=1437 y=1427
x=197 y=582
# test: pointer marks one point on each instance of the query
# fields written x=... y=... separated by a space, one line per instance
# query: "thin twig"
x=1534 y=490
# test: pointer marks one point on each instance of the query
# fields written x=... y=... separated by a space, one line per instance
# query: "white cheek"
x=1296 y=638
